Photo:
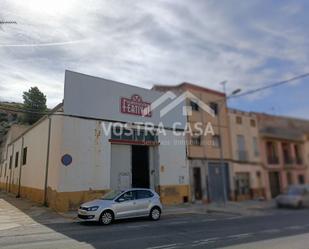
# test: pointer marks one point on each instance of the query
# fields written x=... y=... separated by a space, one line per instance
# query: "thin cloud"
x=148 y=42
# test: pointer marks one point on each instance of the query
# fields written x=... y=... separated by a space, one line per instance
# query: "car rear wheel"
x=155 y=213
x=106 y=218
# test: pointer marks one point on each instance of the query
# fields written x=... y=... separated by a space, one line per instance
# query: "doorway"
x=140 y=166
x=274 y=181
x=197 y=183
x=216 y=175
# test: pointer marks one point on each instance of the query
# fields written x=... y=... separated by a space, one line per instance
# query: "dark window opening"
x=238 y=120
x=25 y=155
x=196 y=140
x=214 y=107
x=16 y=159
x=194 y=106
x=252 y=122
x=11 y=161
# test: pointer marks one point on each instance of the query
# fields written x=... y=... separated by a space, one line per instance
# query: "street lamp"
x=220 y=142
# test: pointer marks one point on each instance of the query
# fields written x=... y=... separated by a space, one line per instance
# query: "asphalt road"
x=171 y=232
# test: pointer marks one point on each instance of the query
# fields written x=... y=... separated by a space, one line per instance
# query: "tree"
x=34 y=105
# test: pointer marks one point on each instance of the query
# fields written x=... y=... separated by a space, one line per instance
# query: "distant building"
x=284 y=152
x=246 y=165
x=209 y=181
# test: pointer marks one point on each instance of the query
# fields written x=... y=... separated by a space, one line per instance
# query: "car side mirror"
x=121 y=199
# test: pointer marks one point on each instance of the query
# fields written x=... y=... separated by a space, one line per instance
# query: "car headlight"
x=94 y=208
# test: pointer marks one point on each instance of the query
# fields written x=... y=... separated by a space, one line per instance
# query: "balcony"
x=299 y=161
x=288 y=160
x=242 y=155
x=273 y=160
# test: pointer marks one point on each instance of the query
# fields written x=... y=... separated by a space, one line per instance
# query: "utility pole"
x=222 y=164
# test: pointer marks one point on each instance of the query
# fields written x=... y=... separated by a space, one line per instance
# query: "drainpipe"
x=20 y=166
x=47 y=161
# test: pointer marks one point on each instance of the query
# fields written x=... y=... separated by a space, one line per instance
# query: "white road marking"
x=203 y=243
x=294 y=227
x=163 y=246
x=205 y=240
x=234 y=218
x=242 y=235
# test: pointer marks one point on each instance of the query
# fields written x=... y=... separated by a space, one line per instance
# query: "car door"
x=125 y=205
x=143 y=202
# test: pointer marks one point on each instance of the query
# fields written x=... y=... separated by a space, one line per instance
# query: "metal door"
x=120 y=172
x=218 y=178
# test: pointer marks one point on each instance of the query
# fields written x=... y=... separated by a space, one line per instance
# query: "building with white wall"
x=99 y=139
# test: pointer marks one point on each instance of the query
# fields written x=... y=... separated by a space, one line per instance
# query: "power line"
x=298 y=77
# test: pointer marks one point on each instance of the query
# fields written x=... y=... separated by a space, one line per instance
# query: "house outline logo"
x=176 y=101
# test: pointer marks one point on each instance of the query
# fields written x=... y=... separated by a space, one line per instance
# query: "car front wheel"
x=155 y=213
x=106 y=218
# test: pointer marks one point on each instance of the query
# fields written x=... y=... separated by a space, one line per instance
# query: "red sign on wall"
x=135 y=106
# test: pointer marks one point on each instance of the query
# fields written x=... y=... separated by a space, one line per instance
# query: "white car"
x=296 y=196
x=135 y=202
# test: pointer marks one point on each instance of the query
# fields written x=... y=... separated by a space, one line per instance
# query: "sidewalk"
x=244 y=208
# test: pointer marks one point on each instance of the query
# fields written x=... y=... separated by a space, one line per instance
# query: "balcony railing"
x=299 y=161
x=288 y=161
x=273 y=160
x=242 y=155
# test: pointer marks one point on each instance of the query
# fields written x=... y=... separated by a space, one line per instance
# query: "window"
x=252 y=122
x=271 y=152
x=11 y=161
x=127 y=196
x=16 y=159
x=216 y=141
x=242 y=153
x=25 y=155
x=214 y=107
x=242 y=184
x=194 y=106
x=255 y=146
x=301 y=179
x=238 y=120
x=196 y=140
x=143 y=194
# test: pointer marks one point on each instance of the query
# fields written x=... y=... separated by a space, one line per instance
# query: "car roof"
x=138 y=189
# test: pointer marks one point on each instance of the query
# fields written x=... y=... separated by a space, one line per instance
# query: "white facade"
x=99 y=162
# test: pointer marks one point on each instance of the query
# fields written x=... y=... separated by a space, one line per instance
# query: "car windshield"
x=295 y=191
x=111 y=195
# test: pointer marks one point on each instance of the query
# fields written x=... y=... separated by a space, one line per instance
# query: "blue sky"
x=248 y=43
